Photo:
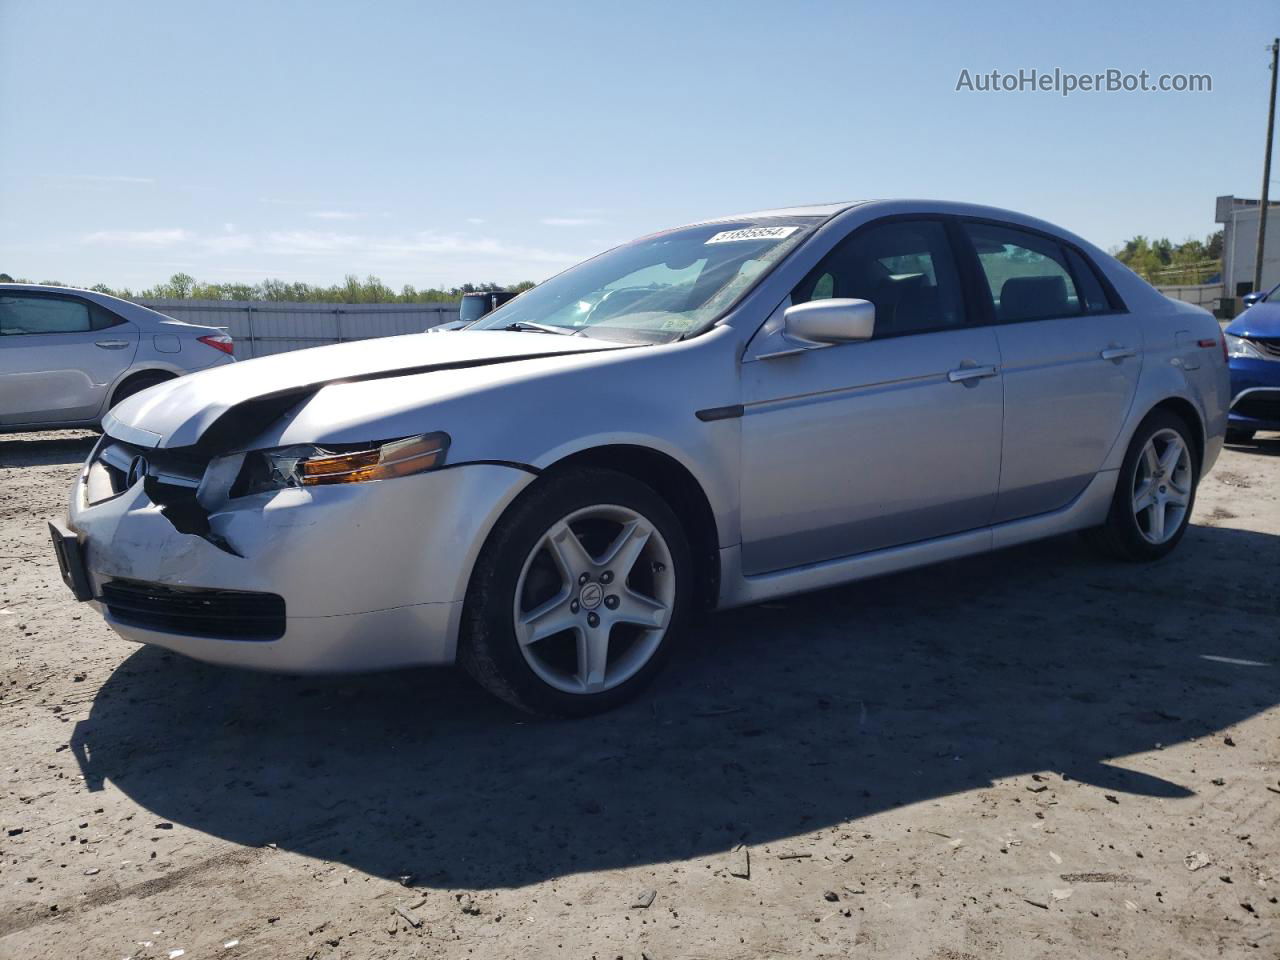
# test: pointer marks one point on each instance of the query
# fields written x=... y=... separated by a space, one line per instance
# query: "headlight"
x=1240 y=347
x=307 y=465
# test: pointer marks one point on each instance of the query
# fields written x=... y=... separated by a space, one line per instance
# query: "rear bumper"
x=372 y=575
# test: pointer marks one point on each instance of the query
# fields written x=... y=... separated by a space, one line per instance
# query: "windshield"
x=660 y=287
x=473 y=306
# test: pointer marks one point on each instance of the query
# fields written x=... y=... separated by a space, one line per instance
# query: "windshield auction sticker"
x=753 y=233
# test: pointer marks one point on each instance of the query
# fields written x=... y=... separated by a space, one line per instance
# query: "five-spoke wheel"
x=576 y=594
x=1162 y=485
x=594 y=598
x=1155 y=491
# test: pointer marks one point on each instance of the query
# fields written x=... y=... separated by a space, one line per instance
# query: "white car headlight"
x=1240 y=347
x=309 y=465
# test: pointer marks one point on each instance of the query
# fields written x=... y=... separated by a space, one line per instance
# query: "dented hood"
x=177 y=413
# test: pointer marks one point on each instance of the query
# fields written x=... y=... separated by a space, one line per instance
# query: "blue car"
x=1253 y=351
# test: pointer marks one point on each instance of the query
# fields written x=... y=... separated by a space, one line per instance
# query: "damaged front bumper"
x=332 y=578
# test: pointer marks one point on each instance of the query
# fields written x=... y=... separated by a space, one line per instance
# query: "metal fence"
x=1201 y=294
x=261 y=328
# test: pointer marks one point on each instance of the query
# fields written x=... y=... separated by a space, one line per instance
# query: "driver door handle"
x=965 y=374
x=112 y=344
x=1117 y=353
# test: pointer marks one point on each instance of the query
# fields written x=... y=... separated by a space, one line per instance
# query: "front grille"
x=169 y=466
x=1270 y=347
x=196 y=611
x=1263 y=405
x=113 y=460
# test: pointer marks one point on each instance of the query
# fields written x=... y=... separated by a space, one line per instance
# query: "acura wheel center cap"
x=591 y=596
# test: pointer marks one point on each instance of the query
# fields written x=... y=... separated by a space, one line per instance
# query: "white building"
x=1239 y=219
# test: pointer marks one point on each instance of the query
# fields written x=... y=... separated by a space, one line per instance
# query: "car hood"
x=182 y=412
x=1260 y=320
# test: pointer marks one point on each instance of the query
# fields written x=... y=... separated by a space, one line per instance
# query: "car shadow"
x=774 y=720
x=17 y=450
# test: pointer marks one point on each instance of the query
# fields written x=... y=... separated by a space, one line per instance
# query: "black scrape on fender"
x=720 y=413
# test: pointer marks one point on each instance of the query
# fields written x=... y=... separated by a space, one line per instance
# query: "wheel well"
x=1186 y=412
x=155 y=376
x=678 y=487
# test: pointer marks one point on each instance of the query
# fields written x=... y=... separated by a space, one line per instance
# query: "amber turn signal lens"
x=397 y=458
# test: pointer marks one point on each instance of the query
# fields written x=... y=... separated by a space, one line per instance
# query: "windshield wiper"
x=539 y=327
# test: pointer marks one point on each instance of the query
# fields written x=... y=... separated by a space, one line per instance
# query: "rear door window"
x=1027 y=273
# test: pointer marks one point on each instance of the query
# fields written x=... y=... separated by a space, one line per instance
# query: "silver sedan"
x=706 y=417
x=69 y=355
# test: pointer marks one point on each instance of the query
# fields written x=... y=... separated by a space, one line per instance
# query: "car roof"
x=907 y=206
x=39 y=286
x=50 y=288
x=824 y=210
x=103 y=299
x=892 y=205
x=135 y=312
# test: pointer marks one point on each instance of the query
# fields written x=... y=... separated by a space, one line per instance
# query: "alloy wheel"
x=594 y=599
x=1162 y=486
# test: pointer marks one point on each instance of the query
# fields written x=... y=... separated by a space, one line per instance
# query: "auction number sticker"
x=753 y=233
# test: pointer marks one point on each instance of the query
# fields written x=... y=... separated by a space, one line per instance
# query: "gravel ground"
x=1029 y=754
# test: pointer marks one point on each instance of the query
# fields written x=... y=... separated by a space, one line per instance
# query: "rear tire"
x=136 y=384
x=578 y=596
x=1240 y=436
x=1155 y=492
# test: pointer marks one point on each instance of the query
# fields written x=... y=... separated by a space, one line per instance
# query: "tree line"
x=353 y=289
x=1163 y=262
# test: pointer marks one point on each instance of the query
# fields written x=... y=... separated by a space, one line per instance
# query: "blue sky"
x=435 y=143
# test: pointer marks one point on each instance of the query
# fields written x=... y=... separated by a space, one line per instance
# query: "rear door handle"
x=112 y=344
x=965 y=374
x=1117 y=353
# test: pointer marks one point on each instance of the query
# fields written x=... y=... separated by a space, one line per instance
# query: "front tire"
x=1155 y=492
x=578 y=596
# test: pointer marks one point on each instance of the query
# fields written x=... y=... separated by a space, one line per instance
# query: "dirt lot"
x=1032 y=754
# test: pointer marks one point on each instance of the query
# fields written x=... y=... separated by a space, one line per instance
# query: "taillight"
x=1225 y=358
x=219 y=342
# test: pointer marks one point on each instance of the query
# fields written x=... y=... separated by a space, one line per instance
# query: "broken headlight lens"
x=309 y=465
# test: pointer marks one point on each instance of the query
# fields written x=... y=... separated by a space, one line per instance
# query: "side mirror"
x=830 y=321
x=1251 y=298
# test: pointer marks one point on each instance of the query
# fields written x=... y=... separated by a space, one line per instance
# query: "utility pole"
x=1266 y=168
